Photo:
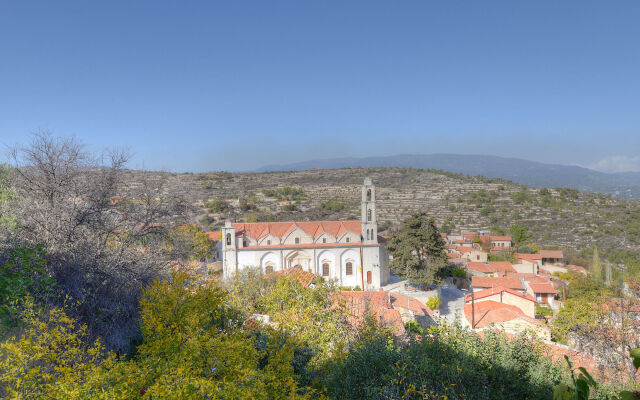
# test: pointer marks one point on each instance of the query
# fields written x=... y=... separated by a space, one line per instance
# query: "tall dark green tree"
x=418 y=250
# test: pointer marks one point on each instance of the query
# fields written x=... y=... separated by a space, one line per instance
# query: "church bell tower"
x=368 y=213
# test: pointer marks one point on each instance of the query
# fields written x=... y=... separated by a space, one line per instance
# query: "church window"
x=368 y=194
x=369 y=215
x=369 y=278
x=297 y=240
x=325 y=269
x=349 y=268
x=228 y=239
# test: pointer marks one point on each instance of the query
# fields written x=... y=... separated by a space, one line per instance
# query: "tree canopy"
x=418 y=250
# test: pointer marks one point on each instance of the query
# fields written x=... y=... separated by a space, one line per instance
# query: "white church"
x=351 y=252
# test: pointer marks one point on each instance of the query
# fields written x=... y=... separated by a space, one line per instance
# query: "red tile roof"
x=502 y=267
x=257 y=230
x=488 y=282
x=379 y=303
x=216 y=236
x=542 y=288
x=491 y=312
x=500 y=238
x=481 y=294
x=551 y=254
x=525 y=256
x=463 y=249
x=306 y=246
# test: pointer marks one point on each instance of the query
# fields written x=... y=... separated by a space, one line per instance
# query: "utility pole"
x=473 y=310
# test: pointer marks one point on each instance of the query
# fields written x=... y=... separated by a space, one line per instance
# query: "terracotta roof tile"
x=488 y=282
x=491 y=312
x=551 y=253
x=496 y=290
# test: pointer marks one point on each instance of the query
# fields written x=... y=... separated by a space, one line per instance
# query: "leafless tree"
x=103 y=245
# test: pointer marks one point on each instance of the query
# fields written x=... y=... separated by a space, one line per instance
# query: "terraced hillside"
x=562 y=217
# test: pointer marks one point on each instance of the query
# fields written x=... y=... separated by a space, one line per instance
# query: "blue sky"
x=197 y=86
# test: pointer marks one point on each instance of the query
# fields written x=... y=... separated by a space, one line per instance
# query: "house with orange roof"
x=491 y=314
x=350 y=252
x=512 y=282
x=552 y=256
x=544 y=292
x=524 y=301
x=472 y=254
x=490 y=268
x=391 y=310
x=500 y=242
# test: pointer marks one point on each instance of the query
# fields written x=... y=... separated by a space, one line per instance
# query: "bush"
x=459 y=272
x=433 y=302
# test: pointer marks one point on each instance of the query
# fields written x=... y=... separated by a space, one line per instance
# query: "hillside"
x=563 y=217
x=525 y=172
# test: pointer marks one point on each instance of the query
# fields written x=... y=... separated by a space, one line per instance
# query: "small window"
x=324 y=240
x=269 y=269
x=297 y=240
x=347 y=240
x=268 y=242
x=369 y=280
x=368 y=194
x=369 y=215
x=244 y=242
x=349 y=268
x=325 y=269
x=228 y=239
x=478 y=258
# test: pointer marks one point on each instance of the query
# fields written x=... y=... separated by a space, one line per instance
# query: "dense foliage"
x=418 y=250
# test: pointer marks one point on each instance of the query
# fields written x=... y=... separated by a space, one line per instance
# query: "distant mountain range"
x=526 y=172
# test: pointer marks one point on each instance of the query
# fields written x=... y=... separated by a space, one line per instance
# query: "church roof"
x=257 y=230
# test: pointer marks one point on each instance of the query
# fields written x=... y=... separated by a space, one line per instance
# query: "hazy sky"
x=235 y=85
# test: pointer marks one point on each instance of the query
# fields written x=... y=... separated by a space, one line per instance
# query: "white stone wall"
x=375 y=261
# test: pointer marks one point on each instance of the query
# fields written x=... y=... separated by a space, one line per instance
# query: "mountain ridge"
x=525 y=172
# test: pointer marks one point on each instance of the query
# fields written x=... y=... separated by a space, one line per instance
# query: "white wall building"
x=351 y=252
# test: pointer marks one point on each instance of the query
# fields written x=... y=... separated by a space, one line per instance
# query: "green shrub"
x=433 y=302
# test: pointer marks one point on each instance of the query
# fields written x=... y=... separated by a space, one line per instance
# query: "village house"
x=472 y=254
x=349 y=252
x=500 y=242
x=491 y=314
x=552 y=256
x=490 y=268
x=544 y=292
x=524 y=301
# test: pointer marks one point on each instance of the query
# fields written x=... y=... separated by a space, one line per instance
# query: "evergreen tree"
x=418 y=250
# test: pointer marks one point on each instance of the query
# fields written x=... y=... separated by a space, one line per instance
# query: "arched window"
x=369 y=278
x=369 y=215
x=228 y=239
x=325 y=269
x=268 y=269
x=297 y=240
x=348 y=270
x=368 y=194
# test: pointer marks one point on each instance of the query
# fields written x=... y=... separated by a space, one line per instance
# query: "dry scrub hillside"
x=563 y=217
